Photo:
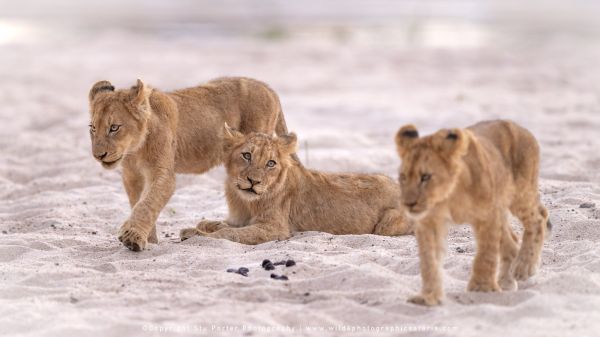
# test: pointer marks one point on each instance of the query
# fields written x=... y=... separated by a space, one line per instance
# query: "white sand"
x=63 y=272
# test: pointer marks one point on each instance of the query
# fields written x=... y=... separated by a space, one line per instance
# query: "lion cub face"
x=430 y=167
x=118 y=121
x=256 y=163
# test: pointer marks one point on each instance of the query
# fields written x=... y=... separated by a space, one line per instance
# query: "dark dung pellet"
x=290 y=263
x=279 y=277
x=268 y=265
x=242 y=271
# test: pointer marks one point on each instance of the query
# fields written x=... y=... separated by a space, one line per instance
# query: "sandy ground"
x=345 y=91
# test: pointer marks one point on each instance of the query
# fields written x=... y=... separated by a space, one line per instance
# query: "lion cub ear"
x=100 y=87
x=288 y=142
x=231 y=137
x=405 y=137
x=141 y=99
x=451 y=142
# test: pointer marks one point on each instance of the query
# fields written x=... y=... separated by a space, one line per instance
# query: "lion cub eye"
x=92 y=128
x=114 y=128
x=425 y=177
x=247 y=156
x=271 y=163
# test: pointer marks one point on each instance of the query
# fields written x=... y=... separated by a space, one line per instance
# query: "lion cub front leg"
x=203 y=227
x=209 y=226
x=430 y=238
x=262 y=230
x=138 y=229
x=250 y=235
x=485 y=264
x=133 y=181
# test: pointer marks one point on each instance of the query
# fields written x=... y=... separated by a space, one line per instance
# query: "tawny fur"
x=476 y=176
x=270 y=203
x=163 y=133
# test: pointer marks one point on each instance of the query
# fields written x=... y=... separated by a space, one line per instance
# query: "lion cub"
x=271 y=196
x=474 y=175
x=156 y=134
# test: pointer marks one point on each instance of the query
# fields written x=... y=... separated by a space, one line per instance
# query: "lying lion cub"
x=270 y=196
x=156 y=134
x=475 y=175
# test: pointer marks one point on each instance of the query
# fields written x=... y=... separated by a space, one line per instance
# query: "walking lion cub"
x=270 y=195
x=156 y=134
x=474 y=175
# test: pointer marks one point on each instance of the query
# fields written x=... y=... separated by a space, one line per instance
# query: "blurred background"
x=349 y=72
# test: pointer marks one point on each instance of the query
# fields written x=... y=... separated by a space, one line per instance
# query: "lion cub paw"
x=209 y=226
x=483 y=286
x=508 y=284
x=523 y=268
x=133 y=238
x=187 y=233
x=152 y=237
x=427 y=300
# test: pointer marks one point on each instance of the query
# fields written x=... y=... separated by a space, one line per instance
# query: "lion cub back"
x=518 y=148
x=341 y=203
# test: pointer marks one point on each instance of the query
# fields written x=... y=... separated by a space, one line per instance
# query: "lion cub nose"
x=253 y=182
x=410 y=204
x=100 y=156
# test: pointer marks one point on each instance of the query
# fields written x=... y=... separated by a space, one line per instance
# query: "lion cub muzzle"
x=250 y=189
x=107 y=159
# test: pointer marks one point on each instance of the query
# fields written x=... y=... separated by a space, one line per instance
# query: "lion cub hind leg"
x=485 y=265
x=393 y=223
x=509 y=248
x=534 y=217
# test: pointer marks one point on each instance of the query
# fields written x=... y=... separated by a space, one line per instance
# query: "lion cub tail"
x=545 y=215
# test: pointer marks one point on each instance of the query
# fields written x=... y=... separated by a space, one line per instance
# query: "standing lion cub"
x=474 y=175
x=156 y=134
x=270 y=196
